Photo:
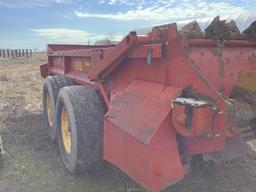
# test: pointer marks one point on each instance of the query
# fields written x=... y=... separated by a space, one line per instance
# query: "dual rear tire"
x=79 y=121
x=51 y=88
x=78 y=126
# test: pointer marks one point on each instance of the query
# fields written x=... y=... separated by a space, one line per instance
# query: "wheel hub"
x=65 y=130
x=49 y=110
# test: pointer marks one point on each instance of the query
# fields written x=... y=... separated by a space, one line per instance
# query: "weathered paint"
x=138 y=87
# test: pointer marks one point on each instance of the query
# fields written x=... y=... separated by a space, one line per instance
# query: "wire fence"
x=15 y=53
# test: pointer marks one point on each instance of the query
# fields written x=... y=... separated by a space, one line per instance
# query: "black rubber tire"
x=1 y=161
x=1 y=151
x=86 y=113
x=52 y=86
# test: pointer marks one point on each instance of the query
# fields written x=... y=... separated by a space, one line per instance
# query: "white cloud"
x=166 y=10
x=59 y=35
x=121 y=2
x=65 y=35
x=31 y=3
x=112 y=2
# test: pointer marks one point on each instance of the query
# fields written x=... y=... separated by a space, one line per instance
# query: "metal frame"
x=139 y=78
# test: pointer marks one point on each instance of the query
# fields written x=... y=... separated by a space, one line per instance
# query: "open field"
x=32 y=163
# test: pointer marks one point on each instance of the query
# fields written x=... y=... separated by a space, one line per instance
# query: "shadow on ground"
x=32 y=163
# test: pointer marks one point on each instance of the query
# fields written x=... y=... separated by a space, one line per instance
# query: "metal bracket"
x=149 y=55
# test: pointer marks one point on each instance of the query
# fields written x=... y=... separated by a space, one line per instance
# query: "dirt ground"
x=33 y=164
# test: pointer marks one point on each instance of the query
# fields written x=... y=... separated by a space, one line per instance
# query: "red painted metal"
x=223 y=65
x=151 y=101
x=57 y=47
x=138 y=79
x=81 y=52
x=229 y=43
x=155 y=166
x=103 y=93
x=141 y=52
x=201 y=124
x=121 y=51
x=44 y=70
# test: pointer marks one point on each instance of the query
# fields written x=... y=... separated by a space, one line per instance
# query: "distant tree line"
x=14 y=53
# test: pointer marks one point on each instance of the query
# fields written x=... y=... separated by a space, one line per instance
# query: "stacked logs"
x=219 y=29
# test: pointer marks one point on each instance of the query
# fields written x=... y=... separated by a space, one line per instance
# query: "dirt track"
x=32 y=163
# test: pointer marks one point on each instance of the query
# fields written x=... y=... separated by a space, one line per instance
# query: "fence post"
x=14 y=53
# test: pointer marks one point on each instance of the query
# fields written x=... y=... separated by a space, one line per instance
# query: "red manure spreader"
x=151 y=102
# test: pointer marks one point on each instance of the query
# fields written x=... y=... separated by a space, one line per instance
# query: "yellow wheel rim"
x=65 y=129
x=49 y=110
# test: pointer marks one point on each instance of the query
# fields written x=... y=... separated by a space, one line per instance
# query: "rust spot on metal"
x=145 y=133
x=222 y=89
x=221 y=67
x=58 y=61
x=252 y=58
x=217 y=52
x=238 y=57
x=194 y=64
x=197 y=70
x=227 y=61
x=246 y=80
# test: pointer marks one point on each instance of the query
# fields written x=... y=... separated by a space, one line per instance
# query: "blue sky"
x=34 y=23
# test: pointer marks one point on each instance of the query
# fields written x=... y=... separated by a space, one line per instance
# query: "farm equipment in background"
x=151 y=102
